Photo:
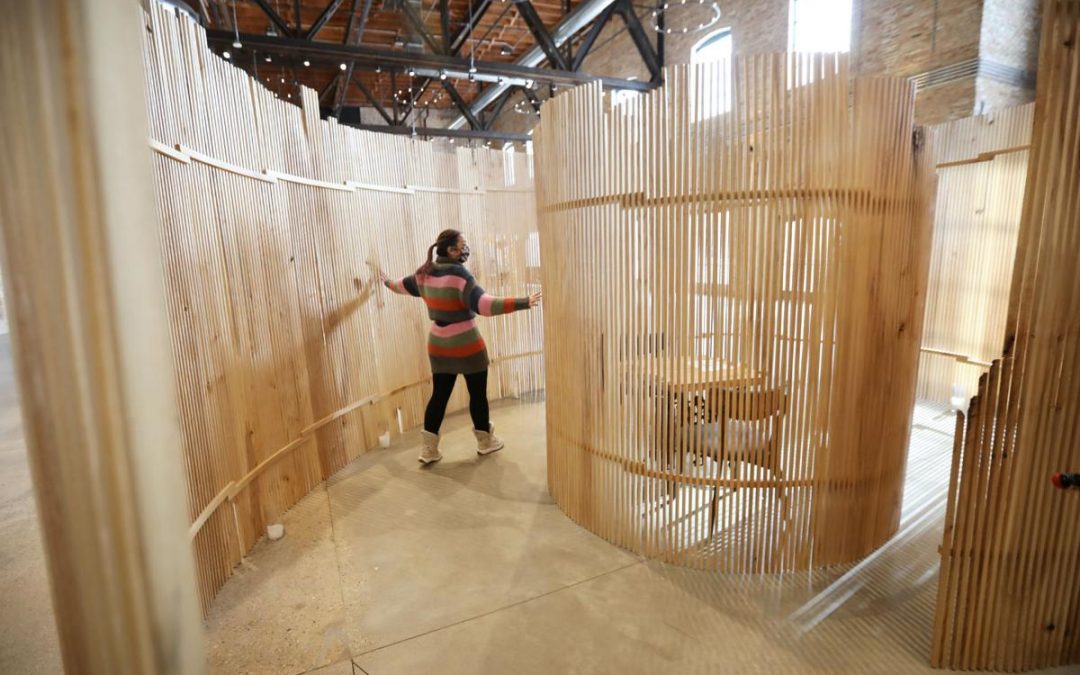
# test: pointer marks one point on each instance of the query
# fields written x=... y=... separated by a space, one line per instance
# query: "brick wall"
x=1010 y=39
x=913 y=36
x=889 y=37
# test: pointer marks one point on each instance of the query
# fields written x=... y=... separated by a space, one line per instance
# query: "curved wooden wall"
x=286 y=372
x=982 y=170
x=1009 y=589
x=734 y=303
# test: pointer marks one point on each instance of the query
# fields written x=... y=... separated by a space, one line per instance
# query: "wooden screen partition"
x=287 y=372
x=982 y=169
x=1009 y=589
x=734 y=273
x=91 y=351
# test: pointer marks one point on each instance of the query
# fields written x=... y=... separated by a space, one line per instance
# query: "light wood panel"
x=1009 y=589
x=268 y=213
x=734 y=272
x=96 y=381
x=982 y=169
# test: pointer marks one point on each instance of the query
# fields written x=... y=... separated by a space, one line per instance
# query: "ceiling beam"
x=371 y=57
x=418 y=25
x=499 y=105
x=590 y=38
x=444 y=24
x=461 y=104
x=637 y=33
x=540 y=33
x=325 y=16
x=533 y=99
x=571 y=25
x=460 y=38
x=475 y=14
x=445 y=133
x=275 y=19
x=374 y=102
x=344 y=82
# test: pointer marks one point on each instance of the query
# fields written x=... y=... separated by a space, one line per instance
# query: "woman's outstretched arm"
x=476 y=299
x=404 y=285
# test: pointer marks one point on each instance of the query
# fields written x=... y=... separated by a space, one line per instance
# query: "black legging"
x=442 y=385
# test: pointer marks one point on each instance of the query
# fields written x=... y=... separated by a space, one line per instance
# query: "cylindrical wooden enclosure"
x=734 y=272
x=287 y=371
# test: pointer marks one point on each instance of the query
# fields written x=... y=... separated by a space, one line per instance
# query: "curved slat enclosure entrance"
x=734 y=272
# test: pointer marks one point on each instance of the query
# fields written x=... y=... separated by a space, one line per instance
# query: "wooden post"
x=89 y=333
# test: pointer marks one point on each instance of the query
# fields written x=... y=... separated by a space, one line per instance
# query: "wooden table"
x=681 y=389
x=690 y=375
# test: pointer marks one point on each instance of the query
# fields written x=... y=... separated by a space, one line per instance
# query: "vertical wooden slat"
x=1010 y=598
x=84 y=279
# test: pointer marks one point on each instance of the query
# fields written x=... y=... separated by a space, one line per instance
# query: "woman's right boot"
x=430 y=452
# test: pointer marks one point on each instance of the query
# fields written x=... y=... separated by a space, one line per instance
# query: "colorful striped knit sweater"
x=453 y=299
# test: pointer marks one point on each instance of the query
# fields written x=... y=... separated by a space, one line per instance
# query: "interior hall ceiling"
x=279 y=39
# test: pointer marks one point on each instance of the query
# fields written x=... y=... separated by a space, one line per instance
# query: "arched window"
x=716 y=46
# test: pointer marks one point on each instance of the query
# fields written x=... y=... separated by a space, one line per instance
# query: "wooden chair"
x=747 y=423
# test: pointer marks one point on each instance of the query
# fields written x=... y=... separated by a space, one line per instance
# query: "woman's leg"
x=442 y=385
x=478 y=403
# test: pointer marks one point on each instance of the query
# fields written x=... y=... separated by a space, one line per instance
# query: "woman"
x=453 y=299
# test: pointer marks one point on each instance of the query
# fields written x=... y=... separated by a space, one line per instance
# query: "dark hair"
x=443 y=242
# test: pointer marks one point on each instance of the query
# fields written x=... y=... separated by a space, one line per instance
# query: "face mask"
x=464 y=255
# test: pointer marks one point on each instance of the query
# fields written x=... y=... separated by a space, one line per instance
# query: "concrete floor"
x=28 y=639
x=468 y=567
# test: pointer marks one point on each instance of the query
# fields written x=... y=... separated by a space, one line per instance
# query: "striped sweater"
x=453 y=300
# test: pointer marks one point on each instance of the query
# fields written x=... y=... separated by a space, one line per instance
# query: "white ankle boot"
x=486 y=441
x=430 y=452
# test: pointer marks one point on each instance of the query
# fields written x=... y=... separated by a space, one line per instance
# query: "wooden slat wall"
x=90 y=346
x=1009 y=589
x=783 y=239
x=982 y=169
x=267 y=215
x=1009 y=596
